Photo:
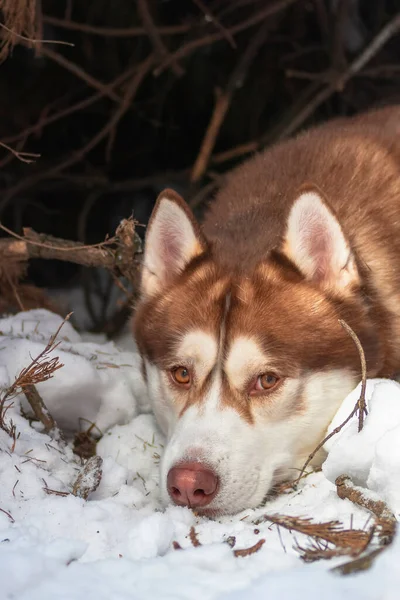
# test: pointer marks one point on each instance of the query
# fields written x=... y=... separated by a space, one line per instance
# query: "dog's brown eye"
x=181 y=376
x=265 y=382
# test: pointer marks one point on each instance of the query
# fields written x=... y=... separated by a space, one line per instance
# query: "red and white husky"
x=238 y=327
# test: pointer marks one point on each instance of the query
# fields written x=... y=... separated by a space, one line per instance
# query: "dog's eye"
x=181 y=376
x=264 y=383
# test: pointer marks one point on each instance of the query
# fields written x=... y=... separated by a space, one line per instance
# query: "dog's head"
x=245 y=368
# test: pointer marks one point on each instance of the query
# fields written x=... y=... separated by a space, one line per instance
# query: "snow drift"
x=121 y=543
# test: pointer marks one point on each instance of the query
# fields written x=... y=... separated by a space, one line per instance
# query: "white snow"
x=97 y=383
x=372 y=457
x=118 y=545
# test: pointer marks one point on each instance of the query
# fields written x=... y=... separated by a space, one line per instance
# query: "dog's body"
x=244 y=356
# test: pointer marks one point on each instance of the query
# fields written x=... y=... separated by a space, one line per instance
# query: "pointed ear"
x=316 y=244
x=173 y=239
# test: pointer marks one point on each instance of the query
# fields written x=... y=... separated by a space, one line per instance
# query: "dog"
x=243 y=354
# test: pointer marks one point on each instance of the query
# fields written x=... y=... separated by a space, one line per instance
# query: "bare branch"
x=223 y=102
x=160 y=49
x=188 y=48
x=115 y=254
x=385 y=520
x=362 y=409
x=26 y=157
x=34 y=40
x=40 y=410
x=340 y=80
x=360 y=404
x=130 y=93
x=209 y=15
x=104 y=90
x=123 y=32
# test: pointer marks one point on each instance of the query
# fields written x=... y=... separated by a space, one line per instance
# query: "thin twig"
x=362 y=409
x=251 y=550
x=34 y=41
x=51 y=492
x=105 y=90
x=188 y=48
x=360 y=404
x=66 y=246
x=332 y=532
x=8 y=515
x=41 y=368
x=81 y=73
x=223 y=102
x=14 y=289
x=123 y=32
x=160 y=49
x=209 y=15
x=26 y=157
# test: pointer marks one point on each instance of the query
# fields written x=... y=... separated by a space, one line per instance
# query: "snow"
x=120 y=543
x=372 y=457
x=98 y=383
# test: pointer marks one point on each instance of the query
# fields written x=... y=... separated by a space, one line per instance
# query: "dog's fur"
x=302 y=235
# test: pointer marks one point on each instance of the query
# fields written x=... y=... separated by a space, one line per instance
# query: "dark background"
x=281 y=65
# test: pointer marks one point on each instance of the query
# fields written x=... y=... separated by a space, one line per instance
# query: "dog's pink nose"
x=192 y=484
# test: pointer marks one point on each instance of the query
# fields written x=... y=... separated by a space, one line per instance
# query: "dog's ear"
x=316 y=244
x=173 y=239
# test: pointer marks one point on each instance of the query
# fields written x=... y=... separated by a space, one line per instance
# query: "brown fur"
x=356 y=165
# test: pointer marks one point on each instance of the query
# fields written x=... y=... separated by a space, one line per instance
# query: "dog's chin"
x=228 y=511
x=217 y=512
x=209 y=513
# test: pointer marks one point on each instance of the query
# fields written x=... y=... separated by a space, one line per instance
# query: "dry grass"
x=326 y=540
x=20 y=19
x=40 y=369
